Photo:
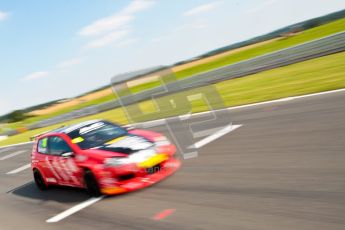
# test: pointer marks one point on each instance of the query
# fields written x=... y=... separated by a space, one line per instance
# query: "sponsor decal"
x=171 y=164
x=63 y=169
x=77 y=140
x=69 y=168
x=153 y=161
x=52 y=170
x=42 y=145
x=57 y=165
x=131 y=142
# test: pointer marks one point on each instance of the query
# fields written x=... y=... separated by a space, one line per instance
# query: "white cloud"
x=260 y=7
x=201 y=9
x=127 y=42
x=117 y=20
x=106 y=24
x=190 y=26
x=137 y=6
x=160 y=38
x=4 y=15
x=107 y=39
x=35 y=75
x=70 y=62
x=180 y=30
x=201 y=26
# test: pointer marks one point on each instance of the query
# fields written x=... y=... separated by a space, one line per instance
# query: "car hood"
x=121 y=147
x=127 y=144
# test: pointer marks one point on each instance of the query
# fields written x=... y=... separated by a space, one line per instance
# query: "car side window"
x=58 y=146
x=43 y=146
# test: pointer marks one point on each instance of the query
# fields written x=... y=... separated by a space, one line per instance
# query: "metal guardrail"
x=313 y=49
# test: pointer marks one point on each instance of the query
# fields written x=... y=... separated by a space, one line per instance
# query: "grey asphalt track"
x=283 y=169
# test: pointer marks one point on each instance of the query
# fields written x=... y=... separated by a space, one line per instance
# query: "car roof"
x=66 y=129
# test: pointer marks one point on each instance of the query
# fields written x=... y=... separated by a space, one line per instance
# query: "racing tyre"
x=91 y=184
x=39 y=181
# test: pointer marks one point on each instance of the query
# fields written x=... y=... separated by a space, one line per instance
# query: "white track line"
x=74 y=209
x=19 y=144
x=5 y=149
x=19 y=169
x=286 y=99
x=215 y=136
x=12 y=155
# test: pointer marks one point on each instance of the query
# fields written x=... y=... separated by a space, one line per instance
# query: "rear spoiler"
x=34 y=137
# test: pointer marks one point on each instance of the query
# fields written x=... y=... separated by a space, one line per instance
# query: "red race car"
x=102 y=157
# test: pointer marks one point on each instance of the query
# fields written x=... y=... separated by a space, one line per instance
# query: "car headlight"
x=161 y=141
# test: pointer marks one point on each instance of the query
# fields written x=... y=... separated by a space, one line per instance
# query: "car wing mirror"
x=68 y=154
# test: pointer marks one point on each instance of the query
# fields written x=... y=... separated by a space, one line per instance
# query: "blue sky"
x=59 y=49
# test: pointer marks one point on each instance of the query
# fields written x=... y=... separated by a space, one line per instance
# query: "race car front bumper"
x=147 y=177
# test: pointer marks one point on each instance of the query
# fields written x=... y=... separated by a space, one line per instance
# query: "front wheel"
x=39 y=180
x=91 y=184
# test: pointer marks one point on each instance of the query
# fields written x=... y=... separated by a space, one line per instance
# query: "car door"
x=64 y=169
x=40 y=159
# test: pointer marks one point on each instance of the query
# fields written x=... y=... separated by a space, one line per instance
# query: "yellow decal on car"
x=77 y=140
x=155 y=160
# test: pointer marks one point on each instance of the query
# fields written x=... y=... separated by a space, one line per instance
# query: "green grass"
x=304 y=36
x=316 y=75
x=145 y=86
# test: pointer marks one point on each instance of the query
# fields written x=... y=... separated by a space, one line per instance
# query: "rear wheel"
x=39 y=180
x=91 y=184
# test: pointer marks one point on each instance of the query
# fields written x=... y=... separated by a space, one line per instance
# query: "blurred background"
x=276 y=66
x=60 y=59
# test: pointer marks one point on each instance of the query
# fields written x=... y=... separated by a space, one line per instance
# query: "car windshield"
x=96 y=134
